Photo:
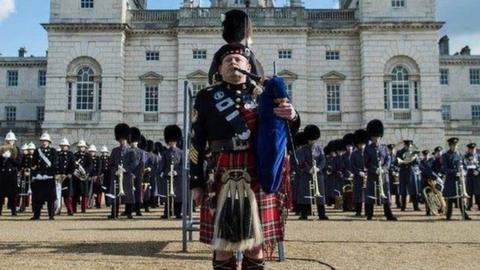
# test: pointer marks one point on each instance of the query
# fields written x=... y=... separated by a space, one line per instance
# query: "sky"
x=20 y=22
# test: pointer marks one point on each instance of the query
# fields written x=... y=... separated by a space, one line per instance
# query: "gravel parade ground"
x=90 y=241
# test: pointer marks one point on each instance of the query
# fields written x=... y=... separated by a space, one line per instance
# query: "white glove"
x=7 y=154
x=313 y=170
x=475 y=172
x=379 y=171
x=362 y=174
x=174 y=173
x=458 y=174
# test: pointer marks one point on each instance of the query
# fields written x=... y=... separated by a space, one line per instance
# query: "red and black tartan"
x=269 y=205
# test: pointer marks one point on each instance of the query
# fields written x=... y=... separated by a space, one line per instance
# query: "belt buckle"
x=239 y=144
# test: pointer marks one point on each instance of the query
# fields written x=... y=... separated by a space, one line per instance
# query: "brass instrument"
x=120 y=171
x=433 y=196
x=462 y=187
x=80 y=172
x=170 y=189
x=409 y=156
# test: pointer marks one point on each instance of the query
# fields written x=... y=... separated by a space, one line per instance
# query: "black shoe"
x=14 y=214
x=392 y=218
x=303 y=218
x=111 y=217
x=369 y=217
x=178 y=217
x=130 y=217
x=358 y=214
x=51 y=218
x=448 y=218
x=417 y=209
x=467 y=218
x=123 y=214
x=323 y=218
x=138 y=214
x=35 y=218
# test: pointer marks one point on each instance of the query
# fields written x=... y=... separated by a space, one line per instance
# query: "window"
x=42 y=77
x=12 y=78
x=385 y=96
x=152 y=55
x=199 y=54
x=332 y=55
x=446 y=112
x=239 y=2
x=475 y=76
x=11 y=113
x=197 y=86
x=86 y=3
x=476 y=112
x=85 y=89
x=100 y=96
x=398 y=3
x=151 y=99
x=285 y=54
x=69 y=101
x=416 y=95
x=400 y=88
x=40 y=114
x=444 y=76
x=333 y=98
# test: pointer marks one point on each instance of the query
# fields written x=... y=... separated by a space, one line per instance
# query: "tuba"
x=433 y=196
x=409 y=156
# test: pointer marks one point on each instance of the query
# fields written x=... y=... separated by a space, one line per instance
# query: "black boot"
x=404 y=203
x=137 y=209
x=129 y=210
x=449 y=209
x=469 y=203
x=230 y=264
x=397 y=201
x=387 y=211
x=415 y=203
x=321 y=212
x=303 y=210
x=358 y=209
x=36 y=211
x=253 y=264
x=51 y=210
x=1 y=209
x=369 y=211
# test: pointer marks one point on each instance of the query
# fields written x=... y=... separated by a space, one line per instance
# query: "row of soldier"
x=359 y=171
x=151 y=174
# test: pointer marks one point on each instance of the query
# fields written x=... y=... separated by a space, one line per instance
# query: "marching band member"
x=65 y=169
x=10 y=157
x=358 y=169
x=473 y=175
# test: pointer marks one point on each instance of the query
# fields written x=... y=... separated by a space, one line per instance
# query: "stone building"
x=115 y=60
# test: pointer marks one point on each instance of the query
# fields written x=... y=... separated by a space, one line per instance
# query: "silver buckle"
x=239 y=145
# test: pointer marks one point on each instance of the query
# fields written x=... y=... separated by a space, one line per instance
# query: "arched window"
x=400 y=88
x=85 y=94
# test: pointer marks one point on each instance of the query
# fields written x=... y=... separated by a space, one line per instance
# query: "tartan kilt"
x=269 y=205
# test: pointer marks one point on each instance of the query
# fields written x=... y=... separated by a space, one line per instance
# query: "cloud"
x=7 y=7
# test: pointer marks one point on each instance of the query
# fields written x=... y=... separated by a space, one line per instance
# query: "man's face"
x=30 y=151
x=10 y=142
x=229 y=63
x=45 y=144
x=454 y=146
x=65 y=147
x=82 y=149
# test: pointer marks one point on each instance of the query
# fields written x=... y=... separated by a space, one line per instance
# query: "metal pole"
x=186 y=120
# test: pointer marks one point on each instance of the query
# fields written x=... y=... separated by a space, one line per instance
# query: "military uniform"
x=409 y=182
x=81 y=186
x=120 y=156
x=452 y=165
x=95 y=183
x=377 y=161
x=359 y=172
x=66 y=166
x=43 y=182
x=26 y=167
x=8 y=179
x=473 y=178
x=173 y=156
x=105 y=179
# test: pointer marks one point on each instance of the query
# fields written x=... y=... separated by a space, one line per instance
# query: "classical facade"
x=115 y=60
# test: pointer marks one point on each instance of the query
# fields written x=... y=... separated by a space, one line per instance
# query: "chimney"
x=465 y=51
x=296 y=3
x=22 y=51
x=444 y=46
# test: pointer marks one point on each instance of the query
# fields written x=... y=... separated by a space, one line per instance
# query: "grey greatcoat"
x=172 y=156
x=376 y=156
x=358 y=166
x=139 y=158
x=473 y=174
x=121 y=155
x=305 y=156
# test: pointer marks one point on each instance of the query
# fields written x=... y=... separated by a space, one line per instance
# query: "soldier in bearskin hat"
x=360 y=139
x=172 y=171
x=225 y=116
x=121 y=181
x=377 y=161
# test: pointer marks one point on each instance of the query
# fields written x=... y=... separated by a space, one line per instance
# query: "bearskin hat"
x=143 y=143
x=135 y=135
x=158 y=147
x=150 y=146
x=375 y=128
x=236 y=26
x=122 y=131
x=172 y=133
x=348 y=139
x=300 y=139
x=312 y=132
x=360 y=136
